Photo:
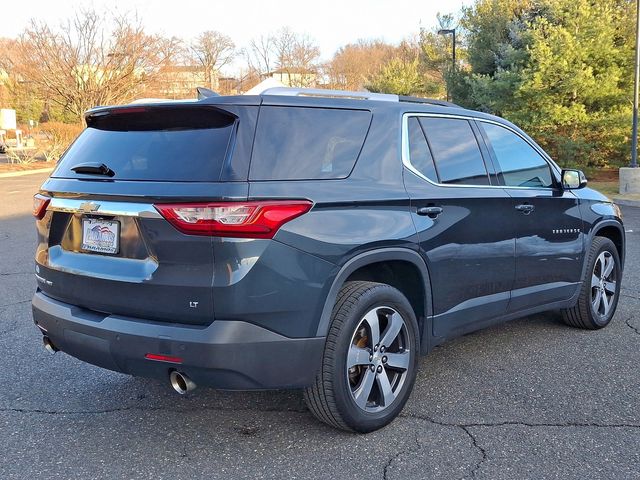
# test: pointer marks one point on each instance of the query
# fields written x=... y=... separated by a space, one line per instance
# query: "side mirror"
x=573 y=179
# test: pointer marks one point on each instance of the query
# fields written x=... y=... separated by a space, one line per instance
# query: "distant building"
x=180 y=81
x=295 y=77
x=229 y=86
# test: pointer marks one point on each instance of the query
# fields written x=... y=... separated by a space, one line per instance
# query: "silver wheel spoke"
x=357 y=356
x=609 y=287
x=605 y=303
x=374 y=326
x=398 y=361
x=599 y=261
x=596 y=300
x=608 y=266
x=595 y=281
x=361 y=394
x=385 y=388
x=393 y=329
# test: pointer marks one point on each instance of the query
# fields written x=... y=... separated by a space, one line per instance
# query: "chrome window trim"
x=121 y=209
x=407 y=162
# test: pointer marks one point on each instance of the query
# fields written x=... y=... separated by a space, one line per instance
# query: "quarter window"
x=455 y=151
x=419 y=153
x=520 y=164
x=294 y=143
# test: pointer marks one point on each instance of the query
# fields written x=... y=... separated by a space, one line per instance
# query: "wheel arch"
x=614 y=231
x=398 y=267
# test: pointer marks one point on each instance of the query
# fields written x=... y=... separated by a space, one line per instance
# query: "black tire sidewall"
x=354 y=416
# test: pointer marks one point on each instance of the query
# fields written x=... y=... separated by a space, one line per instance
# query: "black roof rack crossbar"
x=430 y=101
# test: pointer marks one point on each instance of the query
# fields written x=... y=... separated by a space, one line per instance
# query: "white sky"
x=331 y=23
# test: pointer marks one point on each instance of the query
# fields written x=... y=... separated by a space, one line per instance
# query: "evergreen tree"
x=559 y=68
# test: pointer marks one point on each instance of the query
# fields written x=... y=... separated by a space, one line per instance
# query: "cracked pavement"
x=529 y=399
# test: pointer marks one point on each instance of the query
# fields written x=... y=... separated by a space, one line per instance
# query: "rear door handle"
x=525 y=208
x=431 y=212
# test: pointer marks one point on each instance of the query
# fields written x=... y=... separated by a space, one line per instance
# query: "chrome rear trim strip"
x=99 y=207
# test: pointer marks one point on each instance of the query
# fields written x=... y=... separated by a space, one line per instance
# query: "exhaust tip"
x=48 y=345
x=180 y=382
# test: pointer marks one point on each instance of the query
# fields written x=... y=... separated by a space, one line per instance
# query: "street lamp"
x=452 y=32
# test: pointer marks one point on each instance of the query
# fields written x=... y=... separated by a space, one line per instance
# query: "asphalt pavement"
x=532 y=398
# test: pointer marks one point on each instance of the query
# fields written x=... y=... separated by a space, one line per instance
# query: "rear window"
x=294 y=143
x=156 y=144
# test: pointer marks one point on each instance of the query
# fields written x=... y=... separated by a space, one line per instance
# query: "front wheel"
x=370 y=359
x=600 y=291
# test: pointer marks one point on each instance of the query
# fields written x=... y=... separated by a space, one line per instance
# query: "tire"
x=358 y=398
x=600 y=290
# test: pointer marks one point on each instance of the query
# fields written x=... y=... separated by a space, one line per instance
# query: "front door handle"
x=525 y=208
x=431 y=212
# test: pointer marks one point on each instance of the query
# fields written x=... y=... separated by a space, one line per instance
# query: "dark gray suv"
x=310 y=239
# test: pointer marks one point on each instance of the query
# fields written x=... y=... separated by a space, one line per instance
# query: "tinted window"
x=419 y=154
x=520 y=164
x=455 y=151
x=307 y=143
x=157 y=145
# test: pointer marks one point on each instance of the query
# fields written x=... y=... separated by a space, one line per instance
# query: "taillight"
x=260 y=219
x=40 y=203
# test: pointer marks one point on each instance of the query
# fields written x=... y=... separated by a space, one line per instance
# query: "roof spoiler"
x=205 y=93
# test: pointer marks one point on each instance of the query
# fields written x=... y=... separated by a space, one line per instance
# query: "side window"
x=419 y=153
x=455 y=151
x=295 y=143
x=520 y=164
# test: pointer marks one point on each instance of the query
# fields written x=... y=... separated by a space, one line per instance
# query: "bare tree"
x=296 y=55
x=90 y=60
x=287 y=54
x=212 y=50
x=259 y=54
x=353 y=65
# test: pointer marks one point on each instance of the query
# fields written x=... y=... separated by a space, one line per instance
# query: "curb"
x=626 y=202
x=25 y=172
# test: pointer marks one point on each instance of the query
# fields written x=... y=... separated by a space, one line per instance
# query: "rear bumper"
x=231 y=355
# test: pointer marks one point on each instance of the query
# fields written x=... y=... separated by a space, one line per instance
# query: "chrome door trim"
x=406 y=161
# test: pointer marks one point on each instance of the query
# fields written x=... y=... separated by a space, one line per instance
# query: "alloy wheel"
x=378 y=359
x=603 y=284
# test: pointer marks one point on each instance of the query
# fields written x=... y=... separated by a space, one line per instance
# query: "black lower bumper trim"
x=232 y=355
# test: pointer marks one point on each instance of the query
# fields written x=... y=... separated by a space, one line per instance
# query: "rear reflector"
x=260 y=219
x=162 y=358
x=40 y=203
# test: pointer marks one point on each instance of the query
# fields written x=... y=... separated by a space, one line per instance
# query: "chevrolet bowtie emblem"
x=88 y=207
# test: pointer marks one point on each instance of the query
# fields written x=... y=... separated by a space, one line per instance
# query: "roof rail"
x=429 y=101
x=386 y=97
x=320 y=92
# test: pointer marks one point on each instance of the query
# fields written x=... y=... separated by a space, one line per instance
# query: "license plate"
x=102 y=236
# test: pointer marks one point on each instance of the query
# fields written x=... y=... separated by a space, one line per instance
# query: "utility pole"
x=634 y=135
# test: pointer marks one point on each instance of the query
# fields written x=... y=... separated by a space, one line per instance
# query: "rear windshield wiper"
x=94 y=168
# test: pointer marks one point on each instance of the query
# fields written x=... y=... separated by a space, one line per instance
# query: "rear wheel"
x=600 y=291
x=370 y=359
